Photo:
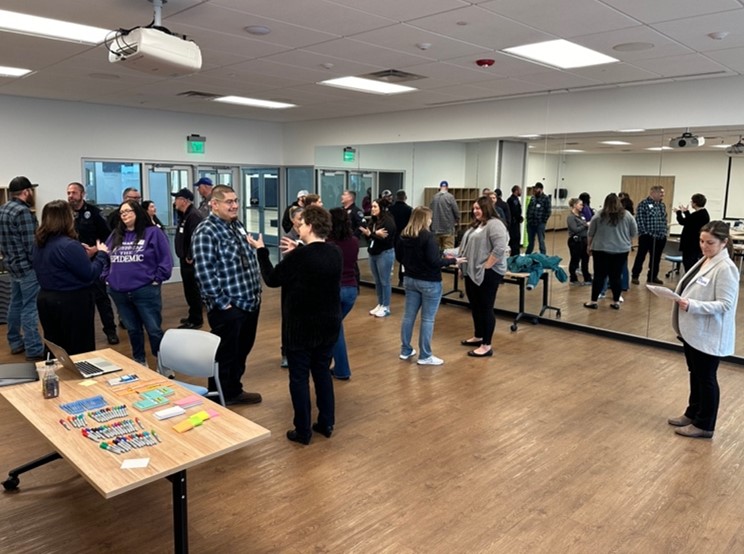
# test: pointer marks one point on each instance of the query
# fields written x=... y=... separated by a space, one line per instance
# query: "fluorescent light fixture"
x=614 y=142
x=51 y=28
x=366 y=85
x=528 y=136
x=631 y=130
x=560 y=53
x=6 y=71
x=254 y=102
x=712 y=145
x=659 y=148
x=572 y=151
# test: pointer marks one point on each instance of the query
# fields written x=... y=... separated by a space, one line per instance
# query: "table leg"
x=180 y=513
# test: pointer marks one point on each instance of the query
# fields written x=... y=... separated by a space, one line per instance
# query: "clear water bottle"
x=49 y=379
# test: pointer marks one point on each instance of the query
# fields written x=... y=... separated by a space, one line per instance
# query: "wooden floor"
x=559 y=443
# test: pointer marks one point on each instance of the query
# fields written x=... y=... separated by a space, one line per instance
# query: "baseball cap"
x=204 y=181
x=20 y=183
x=444 y=184
x=302 y=193
x=183 y=193
x=385 y=193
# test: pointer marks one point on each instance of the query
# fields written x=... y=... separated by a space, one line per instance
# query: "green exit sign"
x=349 y=154
x=196 y=144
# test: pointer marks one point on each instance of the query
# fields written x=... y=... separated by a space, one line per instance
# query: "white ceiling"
x=361 y=36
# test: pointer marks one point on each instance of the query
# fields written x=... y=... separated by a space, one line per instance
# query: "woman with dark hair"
x=381 y=236
x=152 y=212
x=418 y=252
x=577 y=229
x=587 y=210
x=610 y=234
x=311 y=279
x=485 y=248
x=692 y=222
x=626 y=202
x=342 y=236
x=140 y=262
x=66 y=272
x=704 y=318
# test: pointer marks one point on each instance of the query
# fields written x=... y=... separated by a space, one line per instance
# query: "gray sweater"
x=614 y=239
x=480 y=242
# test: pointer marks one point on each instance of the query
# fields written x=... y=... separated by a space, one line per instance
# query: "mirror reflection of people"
x=485 y=248
x=692 y=221
x=515 y=227
x=577 y=243
x=538 y=214
x=651 y=217
x=610 y=237
x=445 y=216
x=704 y=318
x=311 y=279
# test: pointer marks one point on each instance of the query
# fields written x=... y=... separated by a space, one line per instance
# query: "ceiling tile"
x=676 y=66
x=652 y=11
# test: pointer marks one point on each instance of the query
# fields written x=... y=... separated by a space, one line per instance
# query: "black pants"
x=304 y=362
x=579 y=254
x=608 y=265
x=654 y=248
x=481 y=298
x=514 y=239
x=690 y=258
x=704 y=391
x=105 y=311
x=67 y=318
x=237 y=329
x=191 y=292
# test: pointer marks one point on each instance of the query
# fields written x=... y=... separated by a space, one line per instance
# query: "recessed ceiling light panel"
x=367 y=85
x=560 y=53
x=615 y=142
x=51 y=28
x=6 y=71
x=254 y=102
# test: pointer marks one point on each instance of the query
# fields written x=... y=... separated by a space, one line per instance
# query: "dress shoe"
x=591 y=305
x=475 y=343
x=39 y=358
x=693 y=432
x=615 y=305
x=244 y=398
x=340 y=377
x=112 y=338
x=635 y=281
x=20 y=350
x=294 y=436
x=655 y=281
x=326 y=431
x=190 y=325
x=474 y=354
x=184 y=320
x=681 y=421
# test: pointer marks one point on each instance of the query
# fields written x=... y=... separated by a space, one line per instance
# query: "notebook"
x=13 y=374
x=92 y=367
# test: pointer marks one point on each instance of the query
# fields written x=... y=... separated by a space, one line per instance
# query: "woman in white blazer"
x=704 y=318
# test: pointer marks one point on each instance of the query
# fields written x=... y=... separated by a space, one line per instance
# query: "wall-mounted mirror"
x=596 y=163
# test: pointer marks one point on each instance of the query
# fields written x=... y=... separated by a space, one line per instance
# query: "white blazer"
x=709 y=324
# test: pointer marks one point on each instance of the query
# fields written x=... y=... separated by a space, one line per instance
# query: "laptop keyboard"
x=88 y=369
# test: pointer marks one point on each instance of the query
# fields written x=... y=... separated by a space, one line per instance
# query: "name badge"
x=703 y=281
x=241 y=231
x=537 y=205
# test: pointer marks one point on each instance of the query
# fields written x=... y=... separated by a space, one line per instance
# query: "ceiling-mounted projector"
x=736 y=149
x=154 y=51
x=687 y=140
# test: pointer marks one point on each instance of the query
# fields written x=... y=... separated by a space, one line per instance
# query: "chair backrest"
x=671 y=248
x=189 y=351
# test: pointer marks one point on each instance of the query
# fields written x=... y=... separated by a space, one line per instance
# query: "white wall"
x=46 y=140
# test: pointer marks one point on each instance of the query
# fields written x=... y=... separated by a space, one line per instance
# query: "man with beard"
x=17 y=229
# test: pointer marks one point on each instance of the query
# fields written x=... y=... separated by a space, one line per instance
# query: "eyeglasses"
x=122 y=212
x=229 y=202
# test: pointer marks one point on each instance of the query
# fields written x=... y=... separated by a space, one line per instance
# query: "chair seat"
x=674 y=259
x=196 y=389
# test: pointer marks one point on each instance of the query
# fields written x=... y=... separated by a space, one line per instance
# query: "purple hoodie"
x=134 y=265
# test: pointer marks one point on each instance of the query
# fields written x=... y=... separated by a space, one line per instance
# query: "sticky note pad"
x=87 y=383
x=203 y=415
x=196 y=420
x=183 y=426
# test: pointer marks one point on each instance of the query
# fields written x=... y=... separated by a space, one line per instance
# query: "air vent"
x=198 y=94
x=392 y=76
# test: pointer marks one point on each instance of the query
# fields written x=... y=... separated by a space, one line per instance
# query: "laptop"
x=13 y=374
x=92 y=367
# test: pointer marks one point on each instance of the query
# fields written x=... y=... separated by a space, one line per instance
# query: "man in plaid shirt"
x=17 y=228
x=229 y=279
x=651 y=217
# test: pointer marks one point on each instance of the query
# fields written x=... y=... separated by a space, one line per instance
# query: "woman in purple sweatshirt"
x=140 y=262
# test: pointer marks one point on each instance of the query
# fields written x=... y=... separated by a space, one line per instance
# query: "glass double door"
x=260 y=201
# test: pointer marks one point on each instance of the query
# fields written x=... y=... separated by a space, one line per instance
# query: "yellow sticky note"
x=203 y=415
x=87 y=383
x=184 y=426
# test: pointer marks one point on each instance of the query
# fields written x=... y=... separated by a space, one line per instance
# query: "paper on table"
x=663 y=292
x=135 y=463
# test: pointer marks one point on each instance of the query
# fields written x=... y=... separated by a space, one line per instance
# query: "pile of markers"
x=77 y=421
x=116 y=429
x=124 y=444
x=107 y=414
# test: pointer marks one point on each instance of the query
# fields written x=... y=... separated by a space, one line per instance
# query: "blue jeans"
x=23 y=315
x=139 y=307
x=424 y=296
x=340 y=356
x=382 y=267
x=533 y=230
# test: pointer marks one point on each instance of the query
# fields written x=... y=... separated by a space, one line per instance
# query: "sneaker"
x=384 y=311
x=655 y=281
x=601 y=295
x=284 y=363
x=621 y=298
x=407 y=356
x=431 y=360
x=635 y=281
x=575 y=284
x=376 y=309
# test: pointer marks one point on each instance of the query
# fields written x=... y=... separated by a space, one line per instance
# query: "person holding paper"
x=704 y=318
